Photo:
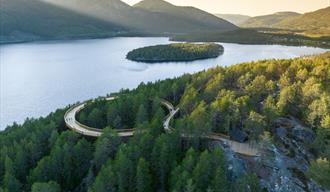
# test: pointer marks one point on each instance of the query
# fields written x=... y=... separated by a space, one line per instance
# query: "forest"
x=175 y=52
x=256 y=36
x=43 y=155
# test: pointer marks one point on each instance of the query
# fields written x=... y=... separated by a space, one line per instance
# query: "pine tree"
x=190 y=187
x=10 y=183
x=255 y=125
x=143 y=177
x=270 y=110
x=106 y=180
x=124 y=172
x=202 y=173
x=106 y=147
x=141 y=116
x=117 y=123
x=188 y=100
x=220 y=183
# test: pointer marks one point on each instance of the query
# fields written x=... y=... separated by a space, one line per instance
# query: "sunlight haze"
x=250 y=7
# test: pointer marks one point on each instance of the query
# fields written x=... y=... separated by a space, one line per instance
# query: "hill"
x=236 y=19
x=35 y=20
x=186 y=16
x=60 y=19
x=317 y=22
x=268 y=21
x=312 y=23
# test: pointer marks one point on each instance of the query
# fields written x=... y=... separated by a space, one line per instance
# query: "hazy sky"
x=250 y=7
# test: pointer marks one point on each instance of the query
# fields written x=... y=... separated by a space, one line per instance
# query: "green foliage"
x=106 y=147
x=224 y=111
x=325 y=123
x=164 y=156
x=200 y=173
x=51 y=186
x=175 y=52
x=289 y=100
x=252 y=36
x=248 y=183
x=270 y=110
x=105 y=181
x=10 y=183
x=67 y=163
x=188 y=100
x=22 y=147
x=133 y=108
x=255 y=125
x=143 y=177
x=320 y=172
x=141 y=115
x=197 y=124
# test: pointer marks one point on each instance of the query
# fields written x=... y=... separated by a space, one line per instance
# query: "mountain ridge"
x=268 y=21
x=315 y=22
x=184 y=12
x=112 y=18
x=236 y=19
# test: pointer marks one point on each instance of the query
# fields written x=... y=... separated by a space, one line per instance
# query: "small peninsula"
x=175 y=52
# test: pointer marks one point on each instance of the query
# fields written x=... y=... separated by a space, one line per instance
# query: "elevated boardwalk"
x=71 y=122
x=240 y=148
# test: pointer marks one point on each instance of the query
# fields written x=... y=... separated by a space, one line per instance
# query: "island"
x=175 y=52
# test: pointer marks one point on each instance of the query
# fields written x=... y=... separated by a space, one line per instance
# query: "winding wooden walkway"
x=73 y=124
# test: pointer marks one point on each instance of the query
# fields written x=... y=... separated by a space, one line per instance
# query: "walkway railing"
x=72 y=123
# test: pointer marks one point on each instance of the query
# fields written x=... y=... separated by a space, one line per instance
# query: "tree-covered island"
x=175 y=52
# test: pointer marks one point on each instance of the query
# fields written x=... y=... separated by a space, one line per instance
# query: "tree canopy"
x=175 y=52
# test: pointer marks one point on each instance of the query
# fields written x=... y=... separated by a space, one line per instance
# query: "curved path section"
x=72 y=123
x=168 y=118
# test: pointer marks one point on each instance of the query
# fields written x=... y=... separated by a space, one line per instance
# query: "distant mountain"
x=268 y=21
x=25 y=20
x=316 y=22
x=234 y=18
x=188 y=18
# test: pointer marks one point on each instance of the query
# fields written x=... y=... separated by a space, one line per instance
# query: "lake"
x=37 y=78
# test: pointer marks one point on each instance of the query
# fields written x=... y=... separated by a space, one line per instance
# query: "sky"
x=250 y=7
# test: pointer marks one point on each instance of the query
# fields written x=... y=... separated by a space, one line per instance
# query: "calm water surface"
x=37 y=78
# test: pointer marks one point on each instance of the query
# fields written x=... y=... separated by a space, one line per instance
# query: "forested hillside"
x=284 y=28
x=253 y=36
x=312 y=23
x=189 y=16
x=268 y=21
x=36 y=20
x=23 y=20
x=277 y=104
